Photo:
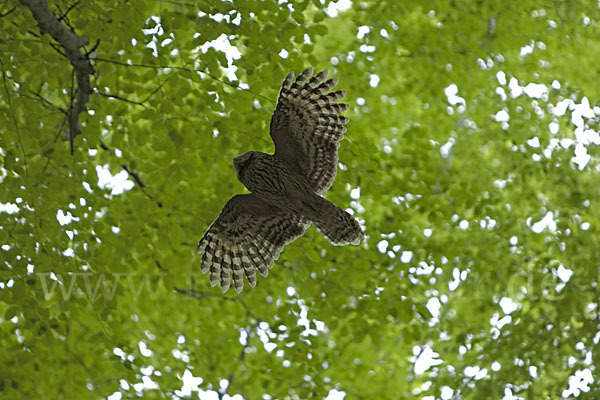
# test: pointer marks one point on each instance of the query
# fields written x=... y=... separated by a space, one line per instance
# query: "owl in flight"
x=286 y=188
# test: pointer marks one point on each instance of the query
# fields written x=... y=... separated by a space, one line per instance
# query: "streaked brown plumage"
x=286 y=187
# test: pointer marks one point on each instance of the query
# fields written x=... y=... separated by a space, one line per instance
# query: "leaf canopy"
x=471 y=159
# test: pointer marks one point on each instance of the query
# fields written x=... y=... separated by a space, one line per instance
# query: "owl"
x=286 y=188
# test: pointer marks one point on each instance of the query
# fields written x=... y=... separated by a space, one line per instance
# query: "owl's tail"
x=335 y=224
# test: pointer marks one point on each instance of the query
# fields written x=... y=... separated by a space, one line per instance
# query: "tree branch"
x=4 y=14
x=116 y=97
x=133 y=175
x=64 y=14
x=203 y=71
x=43 y=101
x=14 y=119
x=191 y=293
x=71 y=43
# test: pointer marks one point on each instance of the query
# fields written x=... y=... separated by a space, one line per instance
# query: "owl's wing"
x=306 y=127
x=248 y=235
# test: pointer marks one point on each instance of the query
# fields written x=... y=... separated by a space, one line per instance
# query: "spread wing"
x=248 y=235
x=306 y=127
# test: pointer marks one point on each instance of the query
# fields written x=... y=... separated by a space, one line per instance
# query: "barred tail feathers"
x=339 y=227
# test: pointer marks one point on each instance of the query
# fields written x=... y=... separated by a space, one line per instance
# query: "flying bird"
x=286 y=188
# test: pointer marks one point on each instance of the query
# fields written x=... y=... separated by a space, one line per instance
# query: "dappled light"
x=470 y=164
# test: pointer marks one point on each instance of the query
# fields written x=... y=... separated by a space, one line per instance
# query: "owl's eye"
x=246 y=161
x=241 y=162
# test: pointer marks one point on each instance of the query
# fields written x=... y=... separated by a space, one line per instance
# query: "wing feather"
x=306 y=127
x=248 y=235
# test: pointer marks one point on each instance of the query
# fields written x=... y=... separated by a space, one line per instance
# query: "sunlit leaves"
x=455 y=182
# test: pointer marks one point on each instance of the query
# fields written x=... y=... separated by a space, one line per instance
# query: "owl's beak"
x=237 y=165
x=236 y=162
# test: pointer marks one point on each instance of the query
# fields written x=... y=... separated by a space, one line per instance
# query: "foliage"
x=455 y=190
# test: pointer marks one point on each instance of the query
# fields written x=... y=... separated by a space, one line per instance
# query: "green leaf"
x=457 y=167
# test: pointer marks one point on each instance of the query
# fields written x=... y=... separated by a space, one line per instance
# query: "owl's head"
x=240 y=163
